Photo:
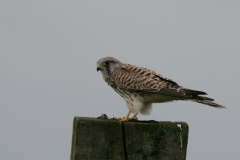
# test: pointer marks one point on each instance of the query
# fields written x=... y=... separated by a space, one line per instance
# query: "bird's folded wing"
x=141 y=79
x=134 y=78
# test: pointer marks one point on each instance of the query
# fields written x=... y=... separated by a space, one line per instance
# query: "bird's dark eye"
x=107 y=63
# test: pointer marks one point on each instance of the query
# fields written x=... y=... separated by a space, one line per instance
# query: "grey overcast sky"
x=48 y=56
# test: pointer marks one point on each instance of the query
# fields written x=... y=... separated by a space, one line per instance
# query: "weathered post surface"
x=96 y=139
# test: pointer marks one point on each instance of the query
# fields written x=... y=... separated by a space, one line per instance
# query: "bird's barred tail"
x=209 y=103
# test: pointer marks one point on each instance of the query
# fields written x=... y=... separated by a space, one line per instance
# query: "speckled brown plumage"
x=140 y=87
x=135 y=78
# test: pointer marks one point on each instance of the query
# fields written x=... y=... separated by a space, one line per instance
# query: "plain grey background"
x=48 y=55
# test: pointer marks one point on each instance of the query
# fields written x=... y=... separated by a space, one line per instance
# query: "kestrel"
x=140 y=87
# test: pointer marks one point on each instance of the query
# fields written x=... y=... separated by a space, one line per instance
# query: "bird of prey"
x=140 y=87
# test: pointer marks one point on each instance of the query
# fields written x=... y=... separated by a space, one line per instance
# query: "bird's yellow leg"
x=127 y=117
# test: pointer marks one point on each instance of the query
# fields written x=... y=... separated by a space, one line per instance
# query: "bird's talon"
x=126 y=119
x=119 y=119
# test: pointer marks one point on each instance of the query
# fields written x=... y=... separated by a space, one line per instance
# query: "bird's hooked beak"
x=98 y=68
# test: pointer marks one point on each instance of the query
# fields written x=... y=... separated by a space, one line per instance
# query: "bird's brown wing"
x=134 y=78
x=137 y=78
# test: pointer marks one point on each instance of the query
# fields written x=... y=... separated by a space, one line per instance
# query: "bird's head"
x=107 y=66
